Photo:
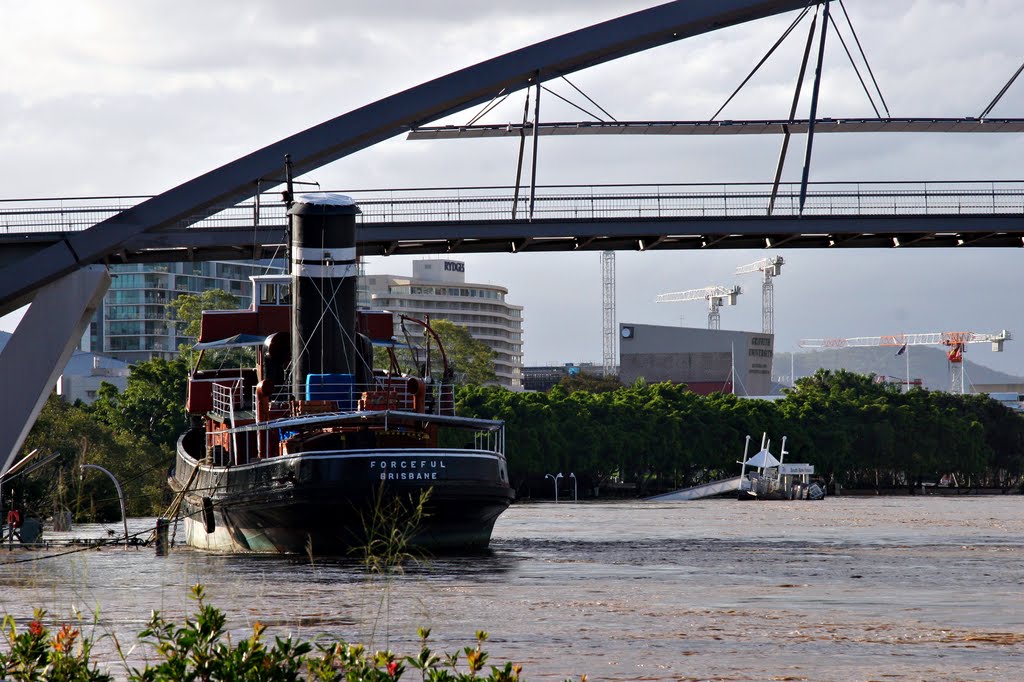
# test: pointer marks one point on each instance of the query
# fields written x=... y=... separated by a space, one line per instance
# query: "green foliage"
x=856 y=432
x=152 y=405
x=74 y=433
x=472 y=360
x=187 y=309
x=200 y=649
x=187 y=312
x=389 y=527
x=197 y=650
x=595 y=383
x=132 y=433
x=32 y=656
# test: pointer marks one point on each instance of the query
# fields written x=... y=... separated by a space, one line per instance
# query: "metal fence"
x=562 y=202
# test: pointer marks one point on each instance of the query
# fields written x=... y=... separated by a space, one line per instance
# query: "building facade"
x=85 y=372
x=706 y=360
x=133 y=323
x=546 y=377
x=438 y=288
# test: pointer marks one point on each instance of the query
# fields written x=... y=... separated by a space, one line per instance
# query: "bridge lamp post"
x=573 y=477
x=120 y=496
x=554 y=479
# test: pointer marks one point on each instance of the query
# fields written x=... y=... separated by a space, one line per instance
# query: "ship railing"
x=229 y=399
x=490 y=441
x=383 y=393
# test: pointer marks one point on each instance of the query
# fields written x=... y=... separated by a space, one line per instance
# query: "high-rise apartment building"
x=438 y=288
x=133 y=324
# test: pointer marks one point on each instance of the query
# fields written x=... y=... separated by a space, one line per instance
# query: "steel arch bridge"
x=386 y=118
x=64 y=285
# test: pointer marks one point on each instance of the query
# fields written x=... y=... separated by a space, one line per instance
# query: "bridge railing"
x=561 y=202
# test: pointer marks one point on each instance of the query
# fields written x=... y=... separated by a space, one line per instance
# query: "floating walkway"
x=697 y=492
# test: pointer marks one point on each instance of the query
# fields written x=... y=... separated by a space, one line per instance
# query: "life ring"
x=14 y=518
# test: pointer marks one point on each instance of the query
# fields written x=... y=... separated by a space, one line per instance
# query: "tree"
x=77 y=437
x=187 y=309
x=187 y=312
x=152 y=405
x=594 y=383
x=472 y=360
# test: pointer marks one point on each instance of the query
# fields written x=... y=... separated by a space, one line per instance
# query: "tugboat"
x=302 y=452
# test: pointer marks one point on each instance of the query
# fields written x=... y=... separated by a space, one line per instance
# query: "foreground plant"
x=33 y=655
x=201 y=650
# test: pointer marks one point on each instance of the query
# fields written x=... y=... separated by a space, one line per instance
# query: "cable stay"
x=771 y=51
x=787 y=130
x=856 y=70
x=572 y=104
x=864 y=56
x=1002 y=92
x=603 y=110
x=489 y=106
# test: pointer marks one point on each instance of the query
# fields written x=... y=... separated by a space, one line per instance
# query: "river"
x=893 y=588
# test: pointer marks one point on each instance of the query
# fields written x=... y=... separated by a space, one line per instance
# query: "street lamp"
x=573 y=477
x=554 y=479
x=120 y=495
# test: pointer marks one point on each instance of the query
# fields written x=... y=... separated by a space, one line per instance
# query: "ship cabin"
x=248 y=407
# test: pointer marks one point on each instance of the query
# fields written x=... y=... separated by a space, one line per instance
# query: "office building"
x=438 y=288
x=706 y=360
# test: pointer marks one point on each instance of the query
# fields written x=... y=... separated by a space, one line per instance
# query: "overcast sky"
x=135 y=98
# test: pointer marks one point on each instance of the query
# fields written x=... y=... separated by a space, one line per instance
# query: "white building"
x=84 y=373
x=438 y=288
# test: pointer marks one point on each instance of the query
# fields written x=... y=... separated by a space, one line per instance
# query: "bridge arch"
x=373 y=123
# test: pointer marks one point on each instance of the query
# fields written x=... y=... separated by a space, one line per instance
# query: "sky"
x=116 y=98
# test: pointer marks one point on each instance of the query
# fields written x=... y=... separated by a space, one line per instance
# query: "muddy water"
x=845 y=589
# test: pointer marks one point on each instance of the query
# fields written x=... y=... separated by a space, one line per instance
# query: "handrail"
x=568 y=202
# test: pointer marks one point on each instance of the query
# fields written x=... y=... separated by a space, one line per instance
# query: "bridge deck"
x=570 y=217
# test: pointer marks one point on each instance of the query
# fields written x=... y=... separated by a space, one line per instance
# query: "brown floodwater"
x=884 y=588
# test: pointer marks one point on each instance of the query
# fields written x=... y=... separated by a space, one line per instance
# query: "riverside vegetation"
x=858 y=433
x=201 y=649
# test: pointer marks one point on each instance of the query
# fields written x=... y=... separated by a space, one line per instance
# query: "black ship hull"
x=334 y=502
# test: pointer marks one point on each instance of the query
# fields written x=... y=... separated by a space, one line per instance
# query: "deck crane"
x=955 y=343
x=716 y=297
x=770 y=269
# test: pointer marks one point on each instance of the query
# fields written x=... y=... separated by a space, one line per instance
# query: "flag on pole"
x=902 y=350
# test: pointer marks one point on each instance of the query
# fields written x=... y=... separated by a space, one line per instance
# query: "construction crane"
x=770 y=268
x=955 y=342
x=608 y=335
x=716 y=297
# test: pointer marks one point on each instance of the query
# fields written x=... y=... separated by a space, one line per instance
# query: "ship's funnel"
x=324 y=271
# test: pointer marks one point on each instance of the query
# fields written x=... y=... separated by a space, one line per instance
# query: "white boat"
x=765 y=477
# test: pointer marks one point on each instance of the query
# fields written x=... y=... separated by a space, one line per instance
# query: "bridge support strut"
x=39 y=349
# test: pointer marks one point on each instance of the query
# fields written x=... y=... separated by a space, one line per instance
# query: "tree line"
x=643 y=438
x=858 y=433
